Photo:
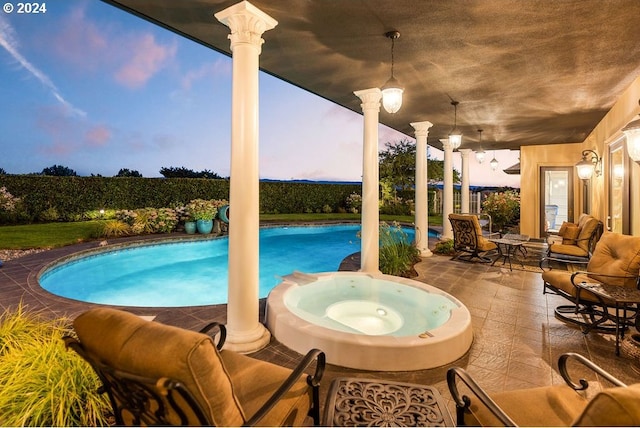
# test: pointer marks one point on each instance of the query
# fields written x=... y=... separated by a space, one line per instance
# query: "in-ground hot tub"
x=369 y=322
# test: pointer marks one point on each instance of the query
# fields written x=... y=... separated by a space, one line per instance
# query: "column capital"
x=370 y=98
x=247 y=23
x=446 y=145
x=422 y=128
x=465 y=152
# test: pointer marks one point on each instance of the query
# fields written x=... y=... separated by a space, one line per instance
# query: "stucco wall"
x=605 y=133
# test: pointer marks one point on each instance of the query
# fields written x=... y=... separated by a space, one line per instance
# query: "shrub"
x=149 y=220
x=354 y=203
x=503 y=207
x=444 y=247
x=49 y=215
x=115 y=228
x=397 y=253
x=327 y=209
x=41 y=383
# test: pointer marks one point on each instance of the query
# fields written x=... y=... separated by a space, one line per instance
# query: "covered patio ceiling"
x=525 y=71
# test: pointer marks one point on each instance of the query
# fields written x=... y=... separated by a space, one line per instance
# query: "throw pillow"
x=571 y=234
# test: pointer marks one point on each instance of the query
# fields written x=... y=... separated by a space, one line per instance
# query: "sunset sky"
x=90 y=87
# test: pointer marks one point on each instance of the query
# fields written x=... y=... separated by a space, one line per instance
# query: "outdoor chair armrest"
x=312 y=380
x=221 y=329
x=584 y=272
x=582 y=383
x=547 y=259
x=463 y=402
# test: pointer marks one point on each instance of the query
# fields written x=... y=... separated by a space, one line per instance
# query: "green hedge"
x=69 y=198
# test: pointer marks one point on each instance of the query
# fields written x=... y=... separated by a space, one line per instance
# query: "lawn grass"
x=53 y=235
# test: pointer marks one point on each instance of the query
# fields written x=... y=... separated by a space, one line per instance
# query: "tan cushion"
x=545 y=406
x=563 y=228
x=616 y=254
x=568 y=250
x=587 y=229
x=570 y=235
x=129 y=343
x=561 y=280
x=254 y=381
x=612 y=407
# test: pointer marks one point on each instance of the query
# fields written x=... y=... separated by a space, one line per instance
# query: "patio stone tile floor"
x=517 y=339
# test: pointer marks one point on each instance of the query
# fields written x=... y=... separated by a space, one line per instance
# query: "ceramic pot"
x=190 y=227
x=204 y=226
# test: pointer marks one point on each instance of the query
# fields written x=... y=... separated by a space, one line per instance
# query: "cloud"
x=148 y=58
x=79 y=39
x=97 y=136
x=11 y=45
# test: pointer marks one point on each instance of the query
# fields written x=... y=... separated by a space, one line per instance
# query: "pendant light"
x=455 y=136
x=494 y=162
x=392 y=91
x=480 y=153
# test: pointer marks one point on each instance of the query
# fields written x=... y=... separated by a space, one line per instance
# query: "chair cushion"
x=126 y=342
x=616 y=254
x=568 y=250
x=254 y=381
x=544 y=406
x=561 y=280
x=587 y=228
x=570 y=234
x=612 y=407
x=563 y=229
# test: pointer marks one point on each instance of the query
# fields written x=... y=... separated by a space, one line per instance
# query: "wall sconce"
x=455 y=136
x=632 y=132
x=480 y=153
x=586 y=168
x=392 y=91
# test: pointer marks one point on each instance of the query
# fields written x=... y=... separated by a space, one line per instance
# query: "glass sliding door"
x=556 y=198
x=618 y=218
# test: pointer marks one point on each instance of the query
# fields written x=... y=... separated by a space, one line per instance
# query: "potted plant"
x=203 y=211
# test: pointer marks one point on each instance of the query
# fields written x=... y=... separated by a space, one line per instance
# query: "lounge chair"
x=557 y=405
x=468 y=241
x=615 y=261
x=578 y=240
x=156 y=374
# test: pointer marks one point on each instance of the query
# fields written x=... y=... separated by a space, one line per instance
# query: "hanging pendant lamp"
x=494 y=162
x=392 y=91
x=455 y=136
x=480 y=153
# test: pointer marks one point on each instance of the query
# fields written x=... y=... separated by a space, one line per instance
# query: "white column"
x=370 y=235
x=465 y=208
x=447 y=230
x=244 y=331
x=422 y=208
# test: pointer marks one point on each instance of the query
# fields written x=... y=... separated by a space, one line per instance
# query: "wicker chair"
x=468 y=241
x=156 y=374
x=557 y=405
x=615 y=261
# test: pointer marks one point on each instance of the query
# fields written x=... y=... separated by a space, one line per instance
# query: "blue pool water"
x=194 y=273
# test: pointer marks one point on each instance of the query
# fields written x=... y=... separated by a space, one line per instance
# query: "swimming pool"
x=195 y=273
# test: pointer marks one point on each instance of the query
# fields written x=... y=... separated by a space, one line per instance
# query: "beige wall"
x=606 y=132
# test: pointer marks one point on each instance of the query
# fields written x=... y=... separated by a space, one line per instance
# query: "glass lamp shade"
x=632 y=132
x=585 y=169
x=480 y=156
x=494 y=163
x=455 y=139
x=392 y=95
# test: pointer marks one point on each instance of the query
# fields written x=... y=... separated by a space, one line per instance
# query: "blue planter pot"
x=190 y=227
x=204 y=226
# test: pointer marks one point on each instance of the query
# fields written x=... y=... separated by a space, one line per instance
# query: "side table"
x=374 y=402
x=623 y=298
x=506 y=249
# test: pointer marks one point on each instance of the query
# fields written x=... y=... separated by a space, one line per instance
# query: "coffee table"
x=375 y=402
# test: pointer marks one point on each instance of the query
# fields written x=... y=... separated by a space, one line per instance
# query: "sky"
x=90 y=87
